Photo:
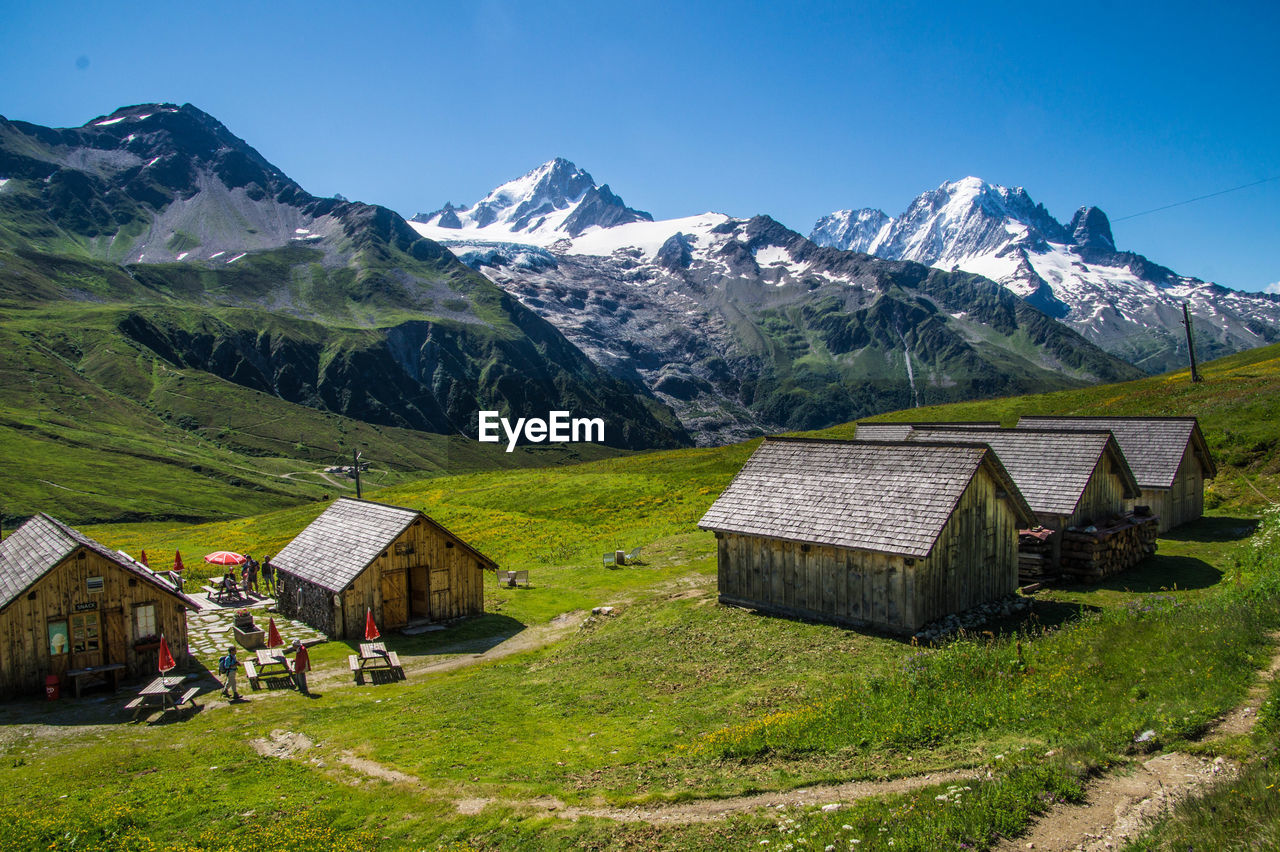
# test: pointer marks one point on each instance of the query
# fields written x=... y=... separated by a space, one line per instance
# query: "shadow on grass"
x=468 y=636
x=99 y=705
x=1210 y=529
x=1047 y=614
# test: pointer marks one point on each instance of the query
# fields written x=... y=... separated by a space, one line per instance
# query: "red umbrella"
x=224 y=557
x=370 y=629
x=273 y=635
x=177 y=560
x=166 y=656
x=143 y=560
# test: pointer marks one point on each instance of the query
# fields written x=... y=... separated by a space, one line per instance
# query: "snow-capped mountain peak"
x=1119 y=300
x=555 y=198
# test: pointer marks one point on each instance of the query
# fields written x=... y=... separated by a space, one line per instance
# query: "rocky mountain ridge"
x=1120 y=300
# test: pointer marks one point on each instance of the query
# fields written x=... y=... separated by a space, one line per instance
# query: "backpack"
x=226 y=664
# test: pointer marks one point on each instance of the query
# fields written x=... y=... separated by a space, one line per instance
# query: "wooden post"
x=1191 y=343
x=355 y=466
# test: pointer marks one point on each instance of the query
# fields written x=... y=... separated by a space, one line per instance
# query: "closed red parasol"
x=143 y=559
x=224 y=557
x=166 y=656
x=370 y=629
x=177 y=560
x=273 y=635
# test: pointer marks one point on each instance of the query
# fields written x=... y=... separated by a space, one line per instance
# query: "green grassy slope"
x=676 y=698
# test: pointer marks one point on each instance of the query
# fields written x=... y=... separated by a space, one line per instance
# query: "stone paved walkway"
x=209 y=630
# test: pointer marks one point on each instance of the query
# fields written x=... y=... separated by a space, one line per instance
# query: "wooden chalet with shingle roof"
x=68 y=603
x=360 y=555
x=890 y=535
x=1069 y=478
x=1168 y=455
x=898 y=430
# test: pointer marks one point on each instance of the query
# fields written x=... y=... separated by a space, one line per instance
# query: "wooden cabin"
x=68 y=603
x=898 y=430
x=1168 y=455
x=1068 y=478
x=888 y=535
x=360 y=555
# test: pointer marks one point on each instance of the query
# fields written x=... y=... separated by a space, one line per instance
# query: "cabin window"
x=93 y=585
x=85 y=633
x=404 y=548
x=144 y=621
x=58 y=642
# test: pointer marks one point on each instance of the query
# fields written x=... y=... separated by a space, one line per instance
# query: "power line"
x=1197 y=198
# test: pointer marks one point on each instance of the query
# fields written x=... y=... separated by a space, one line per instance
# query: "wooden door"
x=114 y=638
x=419 y=597
x=438 y=584
x=394 y=598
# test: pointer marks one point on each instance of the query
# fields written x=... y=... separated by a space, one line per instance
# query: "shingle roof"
x=889 y=497
x=1154 y=446
x=898 y=430
x=40 y=545
x=336 y=547
x=1050 y=468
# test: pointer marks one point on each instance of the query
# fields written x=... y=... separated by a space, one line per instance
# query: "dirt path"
x=709 y=810
x=1121 y=805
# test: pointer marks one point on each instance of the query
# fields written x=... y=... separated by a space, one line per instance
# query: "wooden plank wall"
x=1103 y=496
x=974 y=560
x=25 y=658
x=1185 y=500
x=455 y=576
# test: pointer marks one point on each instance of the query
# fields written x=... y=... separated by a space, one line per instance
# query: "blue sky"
x=790 y=109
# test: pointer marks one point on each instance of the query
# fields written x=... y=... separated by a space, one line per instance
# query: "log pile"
x=1095 y=553
x=1035 y=556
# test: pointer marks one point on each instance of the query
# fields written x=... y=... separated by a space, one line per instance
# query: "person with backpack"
x=301 y=665
x=227 y=668
x=251 y=566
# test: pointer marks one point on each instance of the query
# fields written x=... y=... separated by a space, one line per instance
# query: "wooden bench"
x=354 y=662
x=188 y=697
x=108 y=674
x=251 y=672
x=136 y=706
x=511 y=579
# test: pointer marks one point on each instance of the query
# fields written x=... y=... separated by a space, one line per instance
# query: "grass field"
x=677 y=699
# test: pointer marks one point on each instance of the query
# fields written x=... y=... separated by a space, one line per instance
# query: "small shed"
x=1069 y=478
x=68 y=603
x=889 y=535
x=1168 y=455
x=361 y=555
x=898 y=430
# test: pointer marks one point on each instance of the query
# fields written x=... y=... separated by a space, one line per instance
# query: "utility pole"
x=1191 y=343
x=355 y=466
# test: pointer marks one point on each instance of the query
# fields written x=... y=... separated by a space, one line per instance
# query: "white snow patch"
x=302 y=230
x=3 y=181
x=152 y=163
x=141 y=117
x=130 y=138
x=184 y=254
x=237 y=257
x=217 y=254
x=107 y=121
x=769 y=255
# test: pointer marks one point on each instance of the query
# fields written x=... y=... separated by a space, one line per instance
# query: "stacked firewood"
x=1035 y=555
x=1097 y=552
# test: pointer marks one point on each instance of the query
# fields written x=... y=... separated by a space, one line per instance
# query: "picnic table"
x=109 y=673
x=374 y=656
x=165 y=693
x=267 y=662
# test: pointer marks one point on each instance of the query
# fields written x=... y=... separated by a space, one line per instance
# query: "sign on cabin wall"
x=84 y=607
